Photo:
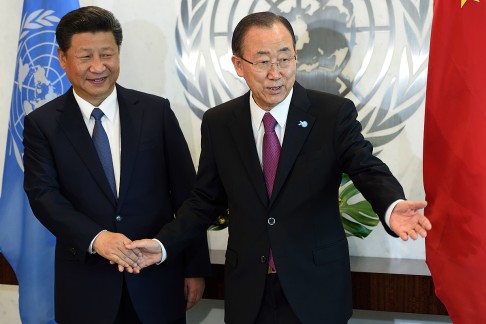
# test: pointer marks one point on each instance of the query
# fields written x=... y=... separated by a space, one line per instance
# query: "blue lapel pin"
x=303 y=123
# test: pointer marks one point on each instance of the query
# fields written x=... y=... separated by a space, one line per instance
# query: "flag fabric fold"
x=455 y=159
x=25 y=243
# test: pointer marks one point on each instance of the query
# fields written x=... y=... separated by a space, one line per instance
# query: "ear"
x=237 y=63
x=62 y=58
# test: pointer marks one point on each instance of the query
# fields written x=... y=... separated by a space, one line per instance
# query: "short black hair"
x=258 y=19
x=90 y=19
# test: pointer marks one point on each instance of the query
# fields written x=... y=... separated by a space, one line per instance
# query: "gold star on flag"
x=463 y=2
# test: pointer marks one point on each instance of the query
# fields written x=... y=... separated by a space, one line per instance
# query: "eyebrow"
x=283 y=49
x=90 y=49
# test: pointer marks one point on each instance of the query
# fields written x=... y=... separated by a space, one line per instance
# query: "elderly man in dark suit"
x=287 y=258
x=95 y=208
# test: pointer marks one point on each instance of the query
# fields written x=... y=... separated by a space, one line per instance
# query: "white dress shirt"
x=111 y=124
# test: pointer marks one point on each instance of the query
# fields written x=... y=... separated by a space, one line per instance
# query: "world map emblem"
x=372 y=52
x=38 y=76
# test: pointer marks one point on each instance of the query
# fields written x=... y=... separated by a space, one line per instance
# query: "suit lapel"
x=242 y=133
x=131 y=117
x=295 y=136
x=72 y=123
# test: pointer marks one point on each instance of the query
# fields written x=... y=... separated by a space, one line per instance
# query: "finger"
x=422 y=232
x=129 y=256
x=190 y=305
x=419 y=204
x=119 y=260
x=130 y=246
x=191 y=301
x=413 y=235
x=190 y=297
x=425 y=223
x=135 y=245
x=404 y=236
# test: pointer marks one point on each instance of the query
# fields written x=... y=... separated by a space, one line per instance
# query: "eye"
x=284 y=60
x=106 y=55
x=263 y=63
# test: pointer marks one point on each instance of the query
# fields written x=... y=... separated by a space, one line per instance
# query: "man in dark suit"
x=287 y=257
x=93 y=220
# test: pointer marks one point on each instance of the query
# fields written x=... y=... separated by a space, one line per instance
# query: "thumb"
x=421 y=204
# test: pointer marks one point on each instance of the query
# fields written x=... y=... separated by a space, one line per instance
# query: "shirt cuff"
x=90 y=248
x=390 y=210
x=164 y=252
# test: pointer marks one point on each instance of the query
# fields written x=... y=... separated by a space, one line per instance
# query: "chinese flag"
x=455 y=158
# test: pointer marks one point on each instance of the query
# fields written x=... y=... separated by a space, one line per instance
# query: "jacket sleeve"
x=182 y=177
x=370 y=175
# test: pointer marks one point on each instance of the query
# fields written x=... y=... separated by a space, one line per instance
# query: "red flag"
x=455 y=158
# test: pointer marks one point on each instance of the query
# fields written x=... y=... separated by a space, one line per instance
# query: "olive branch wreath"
x=36 y=20
x=404 y=95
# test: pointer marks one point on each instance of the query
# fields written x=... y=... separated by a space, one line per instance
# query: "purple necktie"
x=270 y=156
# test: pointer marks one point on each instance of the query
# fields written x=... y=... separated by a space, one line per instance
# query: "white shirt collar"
x=279 y=112
x=108 y=106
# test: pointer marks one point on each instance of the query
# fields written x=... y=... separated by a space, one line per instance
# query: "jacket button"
x=271 y=221
x=119 y=218
x=263 y=259
x=73 y=251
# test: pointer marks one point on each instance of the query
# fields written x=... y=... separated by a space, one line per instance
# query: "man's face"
x=269 y=87
x=92 y=65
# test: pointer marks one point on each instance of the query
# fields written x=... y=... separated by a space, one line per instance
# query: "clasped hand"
x=112 y=246
x=131 y=256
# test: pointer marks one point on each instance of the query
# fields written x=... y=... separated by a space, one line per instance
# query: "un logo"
x=372 y=52
x=38 y=76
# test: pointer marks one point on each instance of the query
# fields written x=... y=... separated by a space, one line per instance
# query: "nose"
x=97 y=66
x=274 y=71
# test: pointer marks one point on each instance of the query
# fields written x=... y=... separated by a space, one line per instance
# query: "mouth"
x=97 y=81
x=275 y=89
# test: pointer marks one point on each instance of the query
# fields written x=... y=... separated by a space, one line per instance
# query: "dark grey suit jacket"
x=307 y=239
x=70 y=195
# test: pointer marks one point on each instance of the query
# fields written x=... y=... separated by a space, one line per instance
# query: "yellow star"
x=463 y=2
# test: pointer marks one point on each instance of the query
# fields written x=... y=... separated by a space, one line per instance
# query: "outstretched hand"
x=150 y=251
x=406 y=220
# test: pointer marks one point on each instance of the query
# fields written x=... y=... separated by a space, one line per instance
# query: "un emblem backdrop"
x=372 y=52
x=38 y=77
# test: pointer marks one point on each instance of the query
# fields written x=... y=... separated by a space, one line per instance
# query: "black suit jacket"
x=70 y=195
x=307 y=239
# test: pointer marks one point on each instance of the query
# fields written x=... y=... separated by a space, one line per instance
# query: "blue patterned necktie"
x=100 y=140
x=270 y=157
